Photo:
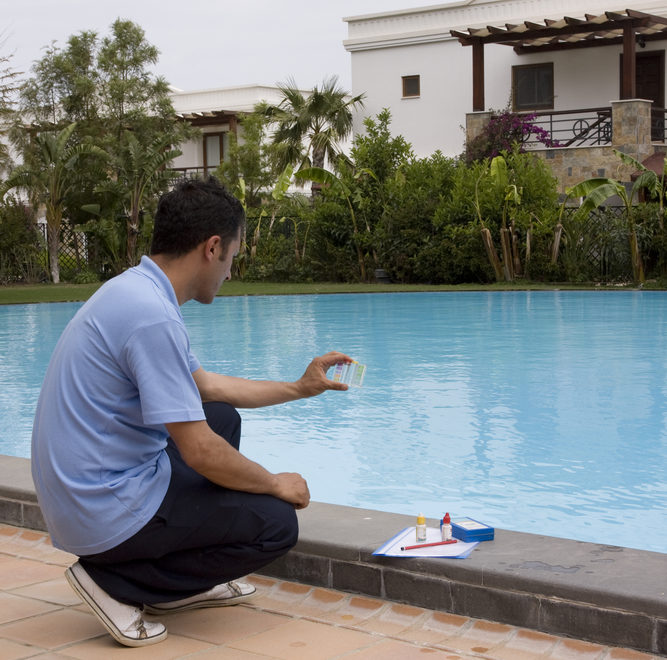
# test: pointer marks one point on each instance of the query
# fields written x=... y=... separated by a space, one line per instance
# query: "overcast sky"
x=205 y=44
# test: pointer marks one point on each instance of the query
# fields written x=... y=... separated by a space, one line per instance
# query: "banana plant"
x=510 y=266
x=597 y=190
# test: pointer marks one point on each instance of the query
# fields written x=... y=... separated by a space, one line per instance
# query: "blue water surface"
x=541 y=412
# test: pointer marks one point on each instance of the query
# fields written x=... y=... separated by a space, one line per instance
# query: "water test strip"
x=349 y=374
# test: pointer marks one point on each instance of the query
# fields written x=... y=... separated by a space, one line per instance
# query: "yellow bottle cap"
x=420 y=519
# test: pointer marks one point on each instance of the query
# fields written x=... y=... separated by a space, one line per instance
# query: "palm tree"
x=308 y=129
x=49 y=175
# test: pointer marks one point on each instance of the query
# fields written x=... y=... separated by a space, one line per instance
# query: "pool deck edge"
x=606 y=594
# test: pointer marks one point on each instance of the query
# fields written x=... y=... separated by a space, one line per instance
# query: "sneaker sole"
x=213 y=602
x=104 y=620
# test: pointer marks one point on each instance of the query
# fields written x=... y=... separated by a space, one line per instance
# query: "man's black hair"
x=191 y=213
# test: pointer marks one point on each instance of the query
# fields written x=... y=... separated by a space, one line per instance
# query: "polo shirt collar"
x=151 y=270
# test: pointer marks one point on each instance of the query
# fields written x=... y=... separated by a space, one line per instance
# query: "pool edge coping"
x=599 y=593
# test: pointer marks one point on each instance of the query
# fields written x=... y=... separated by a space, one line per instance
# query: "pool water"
x=542 y=412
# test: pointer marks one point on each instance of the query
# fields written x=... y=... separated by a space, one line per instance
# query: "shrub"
x=406 y=225
x=85 y=276
x=453 y=255
x=331 y=247
x=21 y=248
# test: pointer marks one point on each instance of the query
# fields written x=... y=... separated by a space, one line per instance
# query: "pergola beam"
x=588 y=43
x=533 y=31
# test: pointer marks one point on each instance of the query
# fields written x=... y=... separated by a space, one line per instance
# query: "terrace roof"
x=626 y=27
x=210 y=117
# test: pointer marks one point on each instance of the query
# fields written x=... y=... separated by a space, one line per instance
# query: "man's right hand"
x=292 y=488
x=213 y=457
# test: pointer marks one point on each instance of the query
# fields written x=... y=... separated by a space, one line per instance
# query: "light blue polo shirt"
x=121 y=370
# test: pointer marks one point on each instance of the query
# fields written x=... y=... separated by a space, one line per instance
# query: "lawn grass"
x=38 y=293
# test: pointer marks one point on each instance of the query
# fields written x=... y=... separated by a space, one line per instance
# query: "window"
x=533 y=86
x=410 y=86
x=213 y=150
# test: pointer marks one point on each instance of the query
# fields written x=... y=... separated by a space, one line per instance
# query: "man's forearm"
x=243 y=393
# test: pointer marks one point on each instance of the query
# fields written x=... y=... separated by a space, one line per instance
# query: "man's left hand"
x=314 y=380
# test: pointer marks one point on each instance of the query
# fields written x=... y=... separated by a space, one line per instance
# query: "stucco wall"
x=386 y=46
x=434 y=119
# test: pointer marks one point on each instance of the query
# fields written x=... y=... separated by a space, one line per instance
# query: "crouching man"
x=135 y=447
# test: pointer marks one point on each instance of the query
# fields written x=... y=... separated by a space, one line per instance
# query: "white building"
x=412 y=62
x=216 y=112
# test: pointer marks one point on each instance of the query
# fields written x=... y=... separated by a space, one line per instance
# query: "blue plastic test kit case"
x=469 y=530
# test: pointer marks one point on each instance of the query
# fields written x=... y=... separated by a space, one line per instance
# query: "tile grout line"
x=395 y=637
x=372 y=633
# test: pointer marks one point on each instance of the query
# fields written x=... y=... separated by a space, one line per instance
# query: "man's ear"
x=210 y=246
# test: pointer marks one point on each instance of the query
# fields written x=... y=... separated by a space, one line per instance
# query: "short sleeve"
x=160 y=362
x=194 y=362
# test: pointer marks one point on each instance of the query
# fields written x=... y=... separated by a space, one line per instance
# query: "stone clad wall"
x=475 y=123
x=571 y=165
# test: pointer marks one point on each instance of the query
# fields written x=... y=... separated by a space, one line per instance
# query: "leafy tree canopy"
x=105 y=85
x=251 y=161
x=9 y=86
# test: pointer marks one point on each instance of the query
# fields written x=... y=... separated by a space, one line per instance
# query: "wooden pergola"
x=211 y=118
x=613 y=27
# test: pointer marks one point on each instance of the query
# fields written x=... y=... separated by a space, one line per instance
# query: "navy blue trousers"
x=202 y=534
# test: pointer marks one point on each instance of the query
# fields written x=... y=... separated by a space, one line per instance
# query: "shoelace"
x=235 y=589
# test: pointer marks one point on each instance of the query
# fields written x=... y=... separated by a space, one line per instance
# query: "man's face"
x=219 y=270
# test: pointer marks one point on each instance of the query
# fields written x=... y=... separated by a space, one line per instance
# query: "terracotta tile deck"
x=40 y=617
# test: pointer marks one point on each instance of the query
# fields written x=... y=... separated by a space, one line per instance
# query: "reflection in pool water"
x=535 y=411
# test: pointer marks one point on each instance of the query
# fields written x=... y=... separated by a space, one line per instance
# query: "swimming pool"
x=541 y=412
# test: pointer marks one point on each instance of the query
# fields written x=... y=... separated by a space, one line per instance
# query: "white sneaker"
x=227 y=593
x=124 y=623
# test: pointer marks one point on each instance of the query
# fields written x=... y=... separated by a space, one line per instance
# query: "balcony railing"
x=193 y=172
x=658 y=123
x=572 y=128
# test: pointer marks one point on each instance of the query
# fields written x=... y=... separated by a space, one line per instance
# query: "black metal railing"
x=193 y=172
x=570 y=128
x=658 y=124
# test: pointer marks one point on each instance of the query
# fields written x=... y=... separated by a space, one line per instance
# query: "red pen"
x=428 y=545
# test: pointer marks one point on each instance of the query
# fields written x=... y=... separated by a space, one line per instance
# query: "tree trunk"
x=53 y=222
x=505 y=244
x=253 y=247
x=53 y=245
x=558 y=232
x=318 y=161
x=635 y=257
x=360 y=257
x=77 y=249
x=297 y=250
x=132 y=233
x=492 y=254
x=516 y=259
